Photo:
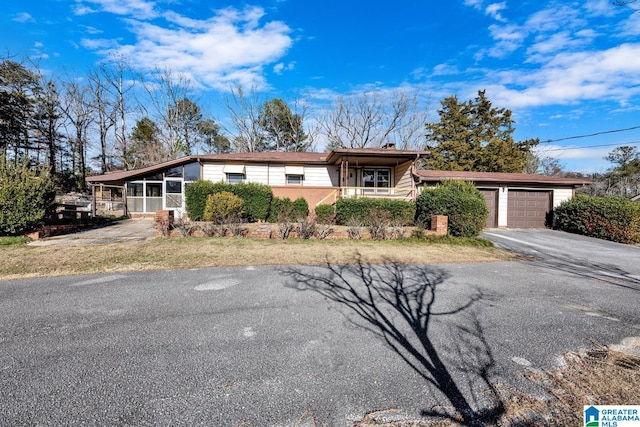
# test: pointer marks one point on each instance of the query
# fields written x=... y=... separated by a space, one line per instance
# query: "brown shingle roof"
x=496 y=177
x=305 y=158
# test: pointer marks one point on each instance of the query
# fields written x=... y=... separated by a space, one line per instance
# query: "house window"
x=294 y=179
x=235 y=178
x=135 y=196
x=192 y=172
x=377 y=180
x=173 y=194
x=153 y=196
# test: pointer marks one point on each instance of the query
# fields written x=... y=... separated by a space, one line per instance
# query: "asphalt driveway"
x=610 y=262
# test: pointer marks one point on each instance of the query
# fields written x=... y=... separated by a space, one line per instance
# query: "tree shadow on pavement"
x=396 y=302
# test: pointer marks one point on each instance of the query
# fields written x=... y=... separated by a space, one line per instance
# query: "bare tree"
x=244 y=109
x=166 y=91
x=373 y=119
x=79 y=112
x=104 y=110
x=117 y=74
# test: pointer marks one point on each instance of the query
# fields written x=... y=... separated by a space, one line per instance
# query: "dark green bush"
x=256 y=198
x=349 y=210
x=286 y=209
x=326 y=214
x=196 y=198
x=610 y=218
x=26 y=198
x=461 y=201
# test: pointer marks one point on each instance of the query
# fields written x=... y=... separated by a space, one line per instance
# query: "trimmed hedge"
x=609 y=218
x=360 y=210
x=326 y=214
x=26 y=198
x=461 y=201
x=292 y=210
x=256 y=198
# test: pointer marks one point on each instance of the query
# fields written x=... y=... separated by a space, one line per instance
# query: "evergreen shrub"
x=461 y=201
x=609 y=218
x=223 y=208
x=285 y=208
x=359 y=210
x=256 y=198
x=326 y=214
x=26 y=197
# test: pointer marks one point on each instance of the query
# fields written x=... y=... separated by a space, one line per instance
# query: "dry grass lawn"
x=20 y=261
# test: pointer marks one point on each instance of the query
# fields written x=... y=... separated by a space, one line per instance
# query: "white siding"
x=257 y=173
x=319 y=176
x=503 y=205
x=560 y=195
x=277 y=175
x=213 y=172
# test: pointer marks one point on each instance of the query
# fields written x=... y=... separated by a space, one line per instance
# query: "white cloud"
x=232 y=47
x=23 y=17
x=476 y=4
x=141 y=9
x=494 y=9
x=612 y=74
x=280 y=67
x=509 y=38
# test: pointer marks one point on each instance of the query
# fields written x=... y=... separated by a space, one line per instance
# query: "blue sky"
x=564 y=68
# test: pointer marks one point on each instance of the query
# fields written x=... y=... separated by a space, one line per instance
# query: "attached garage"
x=513 y=200
x=491 y=197
x=528 y=208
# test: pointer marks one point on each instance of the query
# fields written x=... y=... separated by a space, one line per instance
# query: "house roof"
x=499 y=178
x=362 y=156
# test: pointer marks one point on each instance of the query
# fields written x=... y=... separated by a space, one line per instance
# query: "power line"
x=592 y=146
x=593 y=134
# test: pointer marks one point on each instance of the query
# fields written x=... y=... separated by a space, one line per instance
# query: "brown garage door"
x=528 y=209
x=491 y=196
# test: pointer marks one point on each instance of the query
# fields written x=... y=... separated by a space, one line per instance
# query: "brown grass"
x=600 y=376
x=178 y=253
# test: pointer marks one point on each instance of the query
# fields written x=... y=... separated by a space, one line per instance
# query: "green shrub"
x=256 y=198
x=461 y=201
x=223 y=208
x=326 y=214
x=349 y=210
x=196 y=198
x=285 y=209
x=26 y=197
x=610 y=218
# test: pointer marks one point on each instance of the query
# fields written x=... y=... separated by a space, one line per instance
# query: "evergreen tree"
x=475 y=136
x=283 y=129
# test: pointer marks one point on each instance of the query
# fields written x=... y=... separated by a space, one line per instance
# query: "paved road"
x=258 y=346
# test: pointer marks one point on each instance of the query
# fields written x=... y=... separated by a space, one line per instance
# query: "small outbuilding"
x=514 y=200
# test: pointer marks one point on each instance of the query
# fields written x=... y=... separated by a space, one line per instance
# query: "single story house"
x=514 y=200
x=321 y=178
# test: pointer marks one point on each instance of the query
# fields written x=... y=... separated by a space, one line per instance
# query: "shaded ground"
x=120 y=231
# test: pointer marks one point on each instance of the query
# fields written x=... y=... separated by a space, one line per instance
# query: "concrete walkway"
x=121 y=231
